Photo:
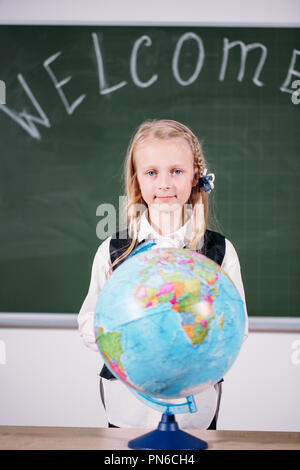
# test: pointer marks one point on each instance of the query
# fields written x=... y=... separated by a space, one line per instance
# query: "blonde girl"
x=167 y=191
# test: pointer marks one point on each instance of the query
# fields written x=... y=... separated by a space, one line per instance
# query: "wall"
x=215 y=12
x=50 y=379
x=47 y=376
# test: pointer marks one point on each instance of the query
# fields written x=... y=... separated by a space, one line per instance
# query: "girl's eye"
x=176 y=171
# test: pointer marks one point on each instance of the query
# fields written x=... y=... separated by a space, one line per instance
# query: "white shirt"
x=122 y=407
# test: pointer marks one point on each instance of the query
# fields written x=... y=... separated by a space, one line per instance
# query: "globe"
x=169 y=322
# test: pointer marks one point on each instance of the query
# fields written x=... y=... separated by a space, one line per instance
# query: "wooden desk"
x=54 y=438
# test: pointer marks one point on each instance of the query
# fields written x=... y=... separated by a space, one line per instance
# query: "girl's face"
x=165 y=172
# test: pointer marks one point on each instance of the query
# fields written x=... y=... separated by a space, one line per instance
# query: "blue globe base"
x=167 y=436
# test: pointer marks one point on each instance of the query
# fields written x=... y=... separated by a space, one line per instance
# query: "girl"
x=167 y=189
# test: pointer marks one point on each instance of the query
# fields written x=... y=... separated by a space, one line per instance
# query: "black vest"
x=213 y=248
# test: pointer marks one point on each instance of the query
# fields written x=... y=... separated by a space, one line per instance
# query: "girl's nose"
x=164 y=182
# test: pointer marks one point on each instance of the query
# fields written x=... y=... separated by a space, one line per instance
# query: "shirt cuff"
x=90 y=342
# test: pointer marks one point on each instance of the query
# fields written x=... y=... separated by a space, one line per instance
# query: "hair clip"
x=206 y=181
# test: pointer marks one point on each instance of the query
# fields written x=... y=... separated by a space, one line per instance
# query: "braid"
x=197 y=151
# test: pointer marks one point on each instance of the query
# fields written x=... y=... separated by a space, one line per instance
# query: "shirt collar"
x=178 y=239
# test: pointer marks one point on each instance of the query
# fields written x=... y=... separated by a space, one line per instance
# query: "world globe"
x=169 y=322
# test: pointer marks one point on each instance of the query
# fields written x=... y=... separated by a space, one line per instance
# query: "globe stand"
x=167 y=436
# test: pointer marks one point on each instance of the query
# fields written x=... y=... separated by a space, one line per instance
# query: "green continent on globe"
x=110 y=345
x=200 y=333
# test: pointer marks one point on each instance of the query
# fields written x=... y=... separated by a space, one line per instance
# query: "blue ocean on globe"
x=169 y=322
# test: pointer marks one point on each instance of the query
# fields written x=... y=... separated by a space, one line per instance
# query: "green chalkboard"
x=74 y=96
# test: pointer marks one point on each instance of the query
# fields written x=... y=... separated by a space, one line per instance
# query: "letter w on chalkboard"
x=24 y=119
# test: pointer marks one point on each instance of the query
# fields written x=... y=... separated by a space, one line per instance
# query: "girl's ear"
x=138 y=188
x=137 y=183
x=196 y=177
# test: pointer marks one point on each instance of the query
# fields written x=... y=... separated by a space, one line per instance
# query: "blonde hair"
x=163 y=129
